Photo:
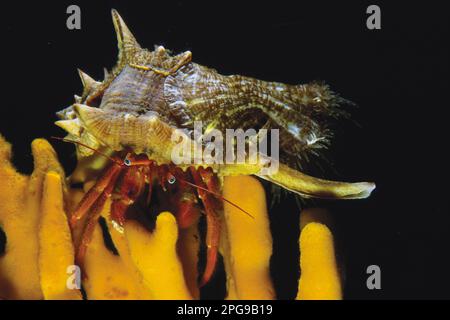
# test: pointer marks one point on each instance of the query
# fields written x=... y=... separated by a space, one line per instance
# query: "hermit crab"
x=132 y=116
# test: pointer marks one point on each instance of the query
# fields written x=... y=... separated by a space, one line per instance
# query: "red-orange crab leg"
x=211 y=180
x=106 y=185
x=94 y=214
x=212 y=221
x=131 y=187
x=149 y=173
x=164 y=174
x=186 y=209
x=94 y=193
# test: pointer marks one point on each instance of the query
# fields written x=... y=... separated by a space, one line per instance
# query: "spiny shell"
x=149 y=94
x=146 y=84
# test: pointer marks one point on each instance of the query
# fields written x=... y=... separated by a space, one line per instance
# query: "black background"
x=398 y=76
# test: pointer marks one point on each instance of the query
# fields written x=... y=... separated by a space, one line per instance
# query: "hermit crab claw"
x=310 y=187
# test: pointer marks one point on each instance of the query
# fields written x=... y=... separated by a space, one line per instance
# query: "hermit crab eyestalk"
x=171 y=179
x=127 y=162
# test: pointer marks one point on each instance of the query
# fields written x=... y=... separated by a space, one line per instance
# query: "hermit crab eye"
x=171 y=179
x=127 y=162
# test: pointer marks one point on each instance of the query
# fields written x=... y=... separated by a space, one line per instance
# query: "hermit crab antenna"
x=218 y=195
x=88 y=147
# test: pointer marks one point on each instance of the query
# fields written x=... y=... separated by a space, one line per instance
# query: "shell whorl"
x=298 y=111
x=128 y=131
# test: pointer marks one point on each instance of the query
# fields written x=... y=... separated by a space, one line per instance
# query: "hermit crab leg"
x=130 y=188
x=95 y=192
x=187 y=211
x=210 y=179
x=148 y=173
x=185 y=205
x=212 y=222
x=94 y=213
